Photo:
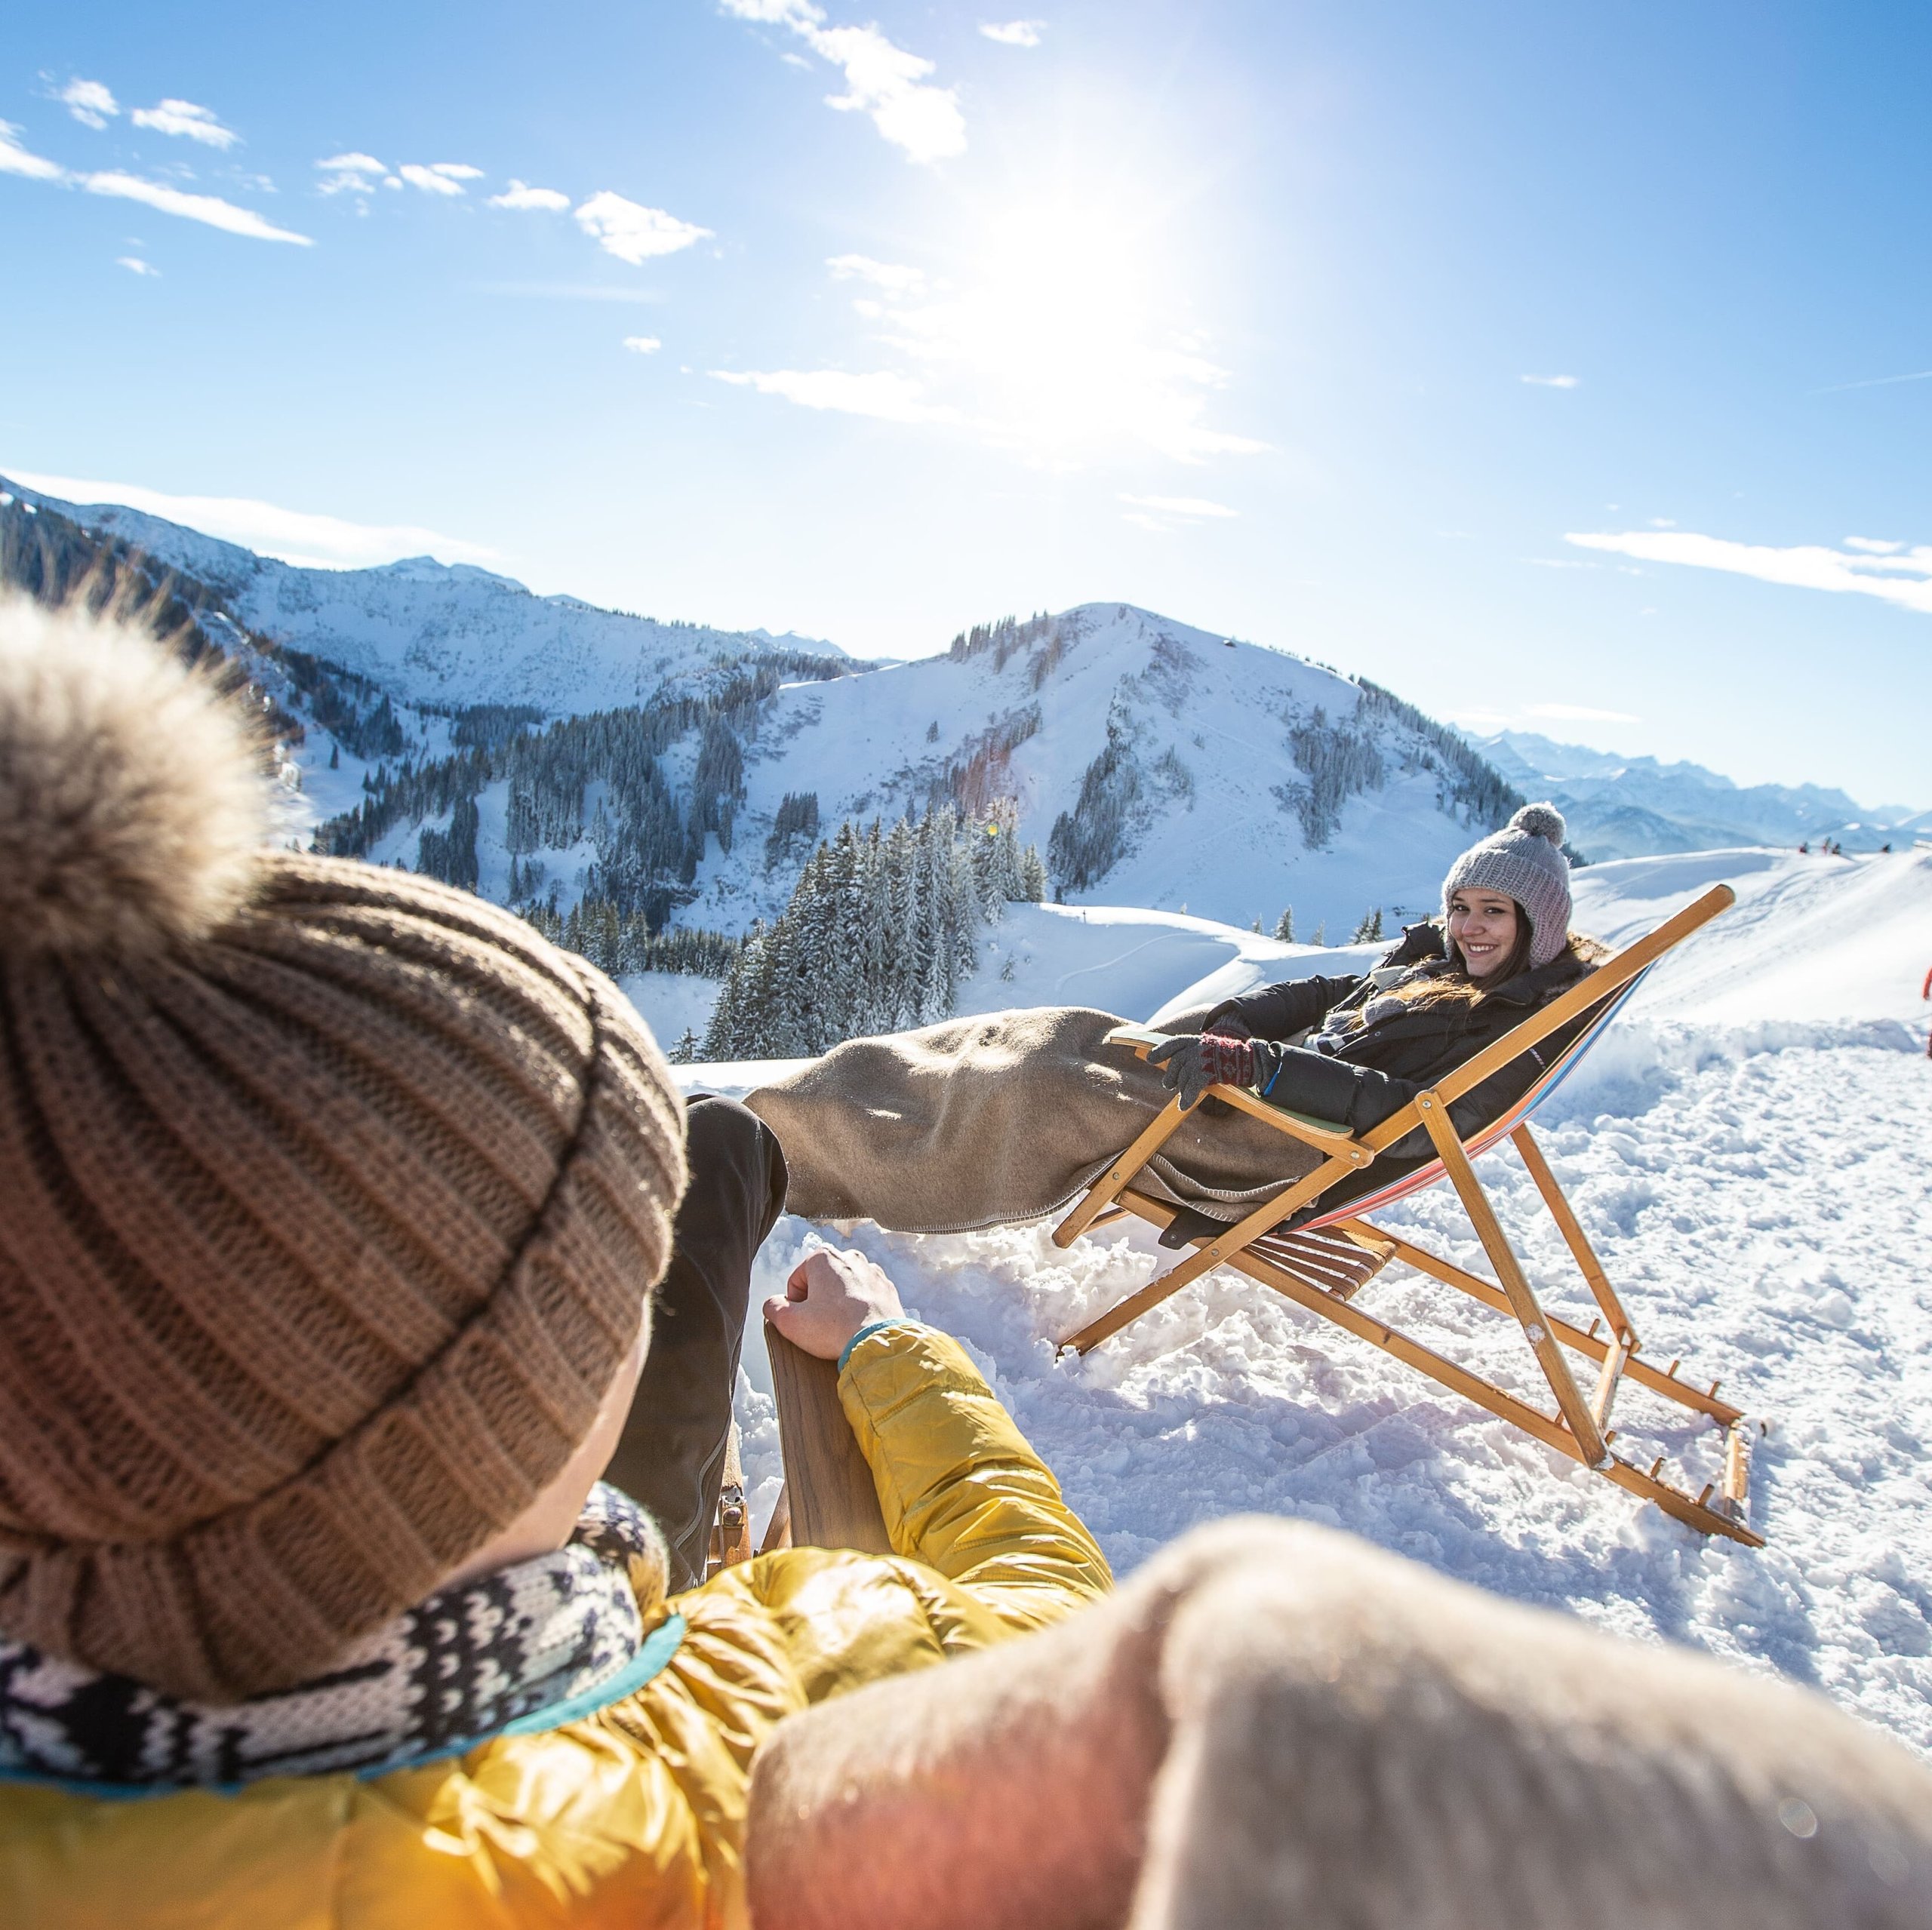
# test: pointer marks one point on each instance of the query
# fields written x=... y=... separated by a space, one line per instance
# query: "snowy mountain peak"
x=1627 y=807
x=432 y=633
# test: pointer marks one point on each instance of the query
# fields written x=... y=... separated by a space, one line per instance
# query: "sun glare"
x=1066 y=329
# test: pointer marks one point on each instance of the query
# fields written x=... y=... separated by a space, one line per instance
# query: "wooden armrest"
x=1323 y=1134
x=827 y=1481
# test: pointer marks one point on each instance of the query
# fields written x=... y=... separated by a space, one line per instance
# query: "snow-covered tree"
x=881 y=927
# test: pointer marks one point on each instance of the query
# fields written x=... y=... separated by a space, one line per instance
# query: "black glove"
x=1191 y=1063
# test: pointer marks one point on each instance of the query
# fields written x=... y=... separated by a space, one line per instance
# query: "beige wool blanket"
x=980 y=1122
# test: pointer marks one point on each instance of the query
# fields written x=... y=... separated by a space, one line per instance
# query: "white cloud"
x=134 y=265
x=15 y=159
x=206 y=208
x=349 y=174
x=1013 y=33
x=89 y=102
x=643 y=345
x=889 y=397
x=210 y=210
x=632 y=232
x=519 y=196
x=1876 y=382
x=571 y=291
x=1581 y=714
x=1895 y=574
x=440 y=177
x=184 y=118
x=1549 y=381
x=1180 y=508
x=890 y=276
x=1873 y=546
x=327 y=542
x=882 y=80
x=1663 y=522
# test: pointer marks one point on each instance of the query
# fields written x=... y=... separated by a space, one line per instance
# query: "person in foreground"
x=331 y=1202
x=1005 y=1117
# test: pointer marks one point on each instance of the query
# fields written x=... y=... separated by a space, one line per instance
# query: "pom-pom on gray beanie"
x=331 y=1197
x=1523 y=861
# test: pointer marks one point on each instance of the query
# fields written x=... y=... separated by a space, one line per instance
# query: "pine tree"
x=880 y=929
x=335 y=757
x=1285 y=925
x=1370 y=929
x=1321 y=932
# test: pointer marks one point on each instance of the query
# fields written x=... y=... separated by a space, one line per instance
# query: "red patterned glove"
x=1191 y=1063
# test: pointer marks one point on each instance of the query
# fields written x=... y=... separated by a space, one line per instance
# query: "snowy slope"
x=432 y=633
x=1629 y=808
x=1749 y=1152
x=1205 y=723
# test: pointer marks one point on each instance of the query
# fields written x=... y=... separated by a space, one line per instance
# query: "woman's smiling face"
x=1483 y=926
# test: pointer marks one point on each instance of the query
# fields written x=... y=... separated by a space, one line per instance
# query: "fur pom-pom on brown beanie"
x=331 y=1197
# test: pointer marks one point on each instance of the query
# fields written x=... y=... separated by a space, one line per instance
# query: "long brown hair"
x=1456 y=985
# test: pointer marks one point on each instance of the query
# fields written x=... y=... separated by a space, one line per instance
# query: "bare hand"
x=830 y=1296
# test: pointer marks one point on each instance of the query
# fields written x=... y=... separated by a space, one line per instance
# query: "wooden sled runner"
x=1321 y=1263
x=828 y=1500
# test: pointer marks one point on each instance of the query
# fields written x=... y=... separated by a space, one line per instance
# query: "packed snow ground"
x=1750 y=1151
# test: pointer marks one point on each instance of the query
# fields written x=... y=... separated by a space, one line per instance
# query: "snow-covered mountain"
x=429 y=633
x=1635 y=807
x=1152 y=763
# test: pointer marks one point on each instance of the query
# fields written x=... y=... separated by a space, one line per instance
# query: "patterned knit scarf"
x=526 y=1647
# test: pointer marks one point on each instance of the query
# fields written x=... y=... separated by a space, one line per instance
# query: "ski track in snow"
x=1756 y=1183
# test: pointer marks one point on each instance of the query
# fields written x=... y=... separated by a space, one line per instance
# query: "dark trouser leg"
x=671 y=1455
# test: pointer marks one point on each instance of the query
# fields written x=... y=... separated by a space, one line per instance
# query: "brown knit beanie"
x=330 y=1198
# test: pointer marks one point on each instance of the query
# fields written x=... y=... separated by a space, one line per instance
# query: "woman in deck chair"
x=1355 y=1050
x=331 y=1204
x=1004 y=1117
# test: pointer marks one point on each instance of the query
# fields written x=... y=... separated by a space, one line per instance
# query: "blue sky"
x=1566 y=367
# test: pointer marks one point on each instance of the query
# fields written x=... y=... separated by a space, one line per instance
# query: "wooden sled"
x=1321 y=1262
x=828 y=1500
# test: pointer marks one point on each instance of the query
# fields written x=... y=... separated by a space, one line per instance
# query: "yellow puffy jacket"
x=635 y=1815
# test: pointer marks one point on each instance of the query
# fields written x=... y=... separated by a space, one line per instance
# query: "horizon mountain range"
x=1154 y=764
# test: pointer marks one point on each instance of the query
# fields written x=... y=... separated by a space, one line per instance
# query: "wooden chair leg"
x=1514 y=1283
x=1206 y=1258
x=828 y=1483
x=1575 y=1238
x=731 y=1533
x=778 y=1530
x=1105 y=1189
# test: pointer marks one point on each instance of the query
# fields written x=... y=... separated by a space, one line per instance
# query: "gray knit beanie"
x=331 y=1197
x=1523 y=861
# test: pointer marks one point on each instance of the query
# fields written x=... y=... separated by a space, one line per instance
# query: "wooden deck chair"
x=1321 y=1262
x=829 y=1500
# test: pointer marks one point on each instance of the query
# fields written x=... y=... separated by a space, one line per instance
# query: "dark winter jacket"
x=1377 y=1069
